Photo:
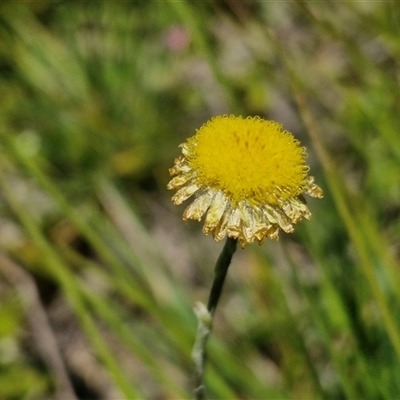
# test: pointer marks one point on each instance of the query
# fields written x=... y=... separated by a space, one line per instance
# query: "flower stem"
x=221 y=269
x=205 y=315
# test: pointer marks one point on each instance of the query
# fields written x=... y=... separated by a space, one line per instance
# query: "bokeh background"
x=98 y=272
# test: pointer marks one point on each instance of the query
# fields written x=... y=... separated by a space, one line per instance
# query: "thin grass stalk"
x=369 y=228
x=371 y=383
x=65 y=279
x=38 y=321
x=378 y=243
x=344 y=377
x=129 y=236
x=352 y=225
x=108 y=312
x=371 y=386
x=294 y=327
x=142 y=298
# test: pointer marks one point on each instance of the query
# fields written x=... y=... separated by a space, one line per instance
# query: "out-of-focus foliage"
x=99 y=273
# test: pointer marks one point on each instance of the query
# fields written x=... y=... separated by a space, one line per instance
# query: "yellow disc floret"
x=248 y=159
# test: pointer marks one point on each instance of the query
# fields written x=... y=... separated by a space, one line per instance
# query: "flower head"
x=247 y=175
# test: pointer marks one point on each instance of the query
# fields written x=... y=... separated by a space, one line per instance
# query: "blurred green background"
x=98 y=273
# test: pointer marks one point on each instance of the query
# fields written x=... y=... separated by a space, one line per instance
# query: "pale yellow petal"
x=215 y=212
x=178 y=181
x=273 y=232
x=181 y=166
x=295 y=209
x=269 y=214
x=233 y=228
x=276 y=216
x=221 y=229
x=262 y=225
x=184 y=193
x=185 y=148
x=248 y=223
x=312 y=189
x=199 y=206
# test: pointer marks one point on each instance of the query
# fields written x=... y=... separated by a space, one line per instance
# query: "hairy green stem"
x=205 y=315
x=221 y=269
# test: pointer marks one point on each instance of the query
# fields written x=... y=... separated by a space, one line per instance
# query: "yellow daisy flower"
x=248 y=176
